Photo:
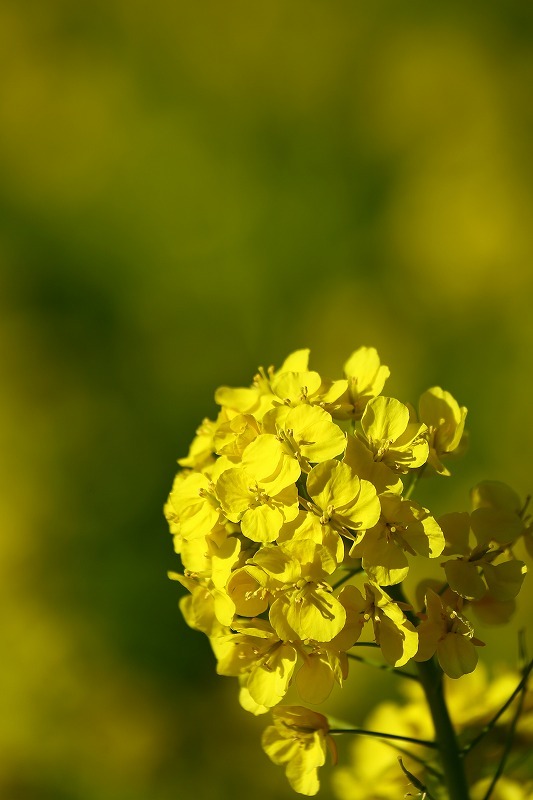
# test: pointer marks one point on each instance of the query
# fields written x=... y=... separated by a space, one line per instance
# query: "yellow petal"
x=296 y=361
x=464 y=578
x=385 y=419
x=248 y=703
x=457 y=655
x=316 y=614
x=456 y=529
x=332 y=483
x=261 y=458
x=243 y=589
x=317 y=436
x=441 y=413
x=268 y=682
x=315 y=679
x=241 y=400
x=363 y=511
x=262 y=523
x=505 y=580
x=295 y=387
x=399 y=643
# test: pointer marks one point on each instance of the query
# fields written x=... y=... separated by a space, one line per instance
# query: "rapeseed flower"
x=299 y=740
x=296 y=527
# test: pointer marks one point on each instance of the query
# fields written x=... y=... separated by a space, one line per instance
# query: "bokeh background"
x=189 y=190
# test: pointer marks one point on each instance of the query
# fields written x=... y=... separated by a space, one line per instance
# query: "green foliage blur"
x=190 y=190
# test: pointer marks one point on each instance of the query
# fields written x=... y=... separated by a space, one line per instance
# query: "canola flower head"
x=295 y=520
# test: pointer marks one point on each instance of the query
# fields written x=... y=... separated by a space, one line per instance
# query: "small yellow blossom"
x=261 y=493
x=366 y=378
x=307 y=432
x=404 y=527
x=192 y=505
x=449 y=635
x=299 y=740
x=396 y=636
x=341 y=498
x=254 y=652
x=235 y=434
x=393 y=436
x=307 y=608
x=485 y=568
x=445 y=421
x=201 y=450
x=361 y=460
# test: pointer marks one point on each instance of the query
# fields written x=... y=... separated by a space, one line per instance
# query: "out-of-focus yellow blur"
x=189 y=190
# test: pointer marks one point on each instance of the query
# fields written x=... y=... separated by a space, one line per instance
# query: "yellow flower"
x=210 y=603
x=366 y=378
x=449 y=635
x=308 y=611
x=341 y=499
x=393 y=436
x=308 y=526
x=307 y=432
x=396 y=636
x=254 y=652
x=261 y=493
x=233 y=435
x=404 y=526
x=304 y=607
x=361 y=460
x=445 y=421
x=192 y=506
x=486 y=568
x=201 y=450
x=299 y=740
x=257 y=399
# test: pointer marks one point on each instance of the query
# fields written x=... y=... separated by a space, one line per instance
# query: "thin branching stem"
x=490 y=725
x=509 y=743
x=381 y=735
x=428 y=767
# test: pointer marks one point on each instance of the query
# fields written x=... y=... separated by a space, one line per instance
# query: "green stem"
x=431 y=675
x=454 y=774
x=414 y=480
x=365 y=644
x=380 y=735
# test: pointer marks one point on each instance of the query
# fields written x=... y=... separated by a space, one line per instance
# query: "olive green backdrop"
x=189 y=190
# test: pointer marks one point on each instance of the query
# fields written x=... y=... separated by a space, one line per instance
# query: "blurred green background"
x=189 y=190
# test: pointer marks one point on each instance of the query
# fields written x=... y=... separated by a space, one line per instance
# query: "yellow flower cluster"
x=293 y=517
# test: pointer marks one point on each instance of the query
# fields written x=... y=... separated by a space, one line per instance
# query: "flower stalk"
x=453 y=765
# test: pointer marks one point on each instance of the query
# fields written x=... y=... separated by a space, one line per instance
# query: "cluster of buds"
x=294 y=519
